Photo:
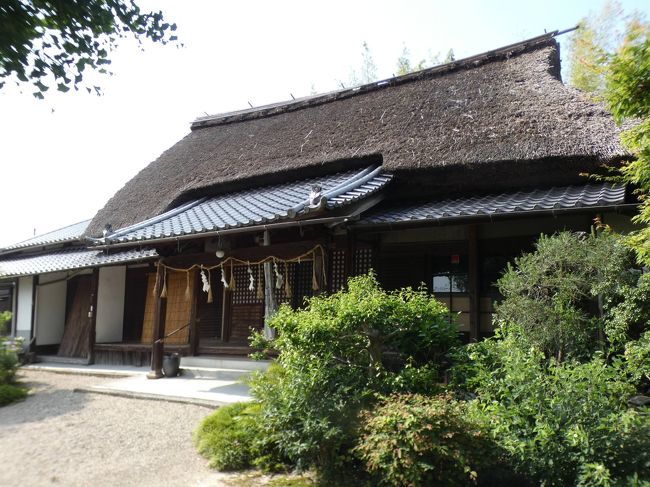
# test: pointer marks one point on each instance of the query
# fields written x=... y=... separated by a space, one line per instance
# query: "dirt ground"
x=60 y=437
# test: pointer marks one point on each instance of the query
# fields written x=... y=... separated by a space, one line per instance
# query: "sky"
x=62 y=158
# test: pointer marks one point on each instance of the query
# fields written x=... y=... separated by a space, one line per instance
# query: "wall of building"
x=110 y=304
x=50 y=308
x=23 y=310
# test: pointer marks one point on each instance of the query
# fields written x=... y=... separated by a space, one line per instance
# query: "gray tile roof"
x=567 y=197
x=65 y=234
x=257 y=206
x=67 y=259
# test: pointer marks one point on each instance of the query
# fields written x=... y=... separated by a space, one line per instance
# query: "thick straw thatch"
x=505 y=107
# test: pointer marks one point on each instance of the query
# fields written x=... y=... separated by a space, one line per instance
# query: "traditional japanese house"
x=436 y=178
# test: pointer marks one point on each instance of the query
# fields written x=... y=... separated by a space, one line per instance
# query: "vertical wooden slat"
x=473 y=271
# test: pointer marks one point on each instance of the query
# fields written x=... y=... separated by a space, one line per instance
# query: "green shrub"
x=10 y=393
x=556 y=419
x=227 y=437
x=573 y=288
x=413 y=440
x=8 y=361
x=336 y=355
x=637 y=360
x=5 y=322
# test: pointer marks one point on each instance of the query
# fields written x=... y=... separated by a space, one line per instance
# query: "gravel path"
x=60 y=437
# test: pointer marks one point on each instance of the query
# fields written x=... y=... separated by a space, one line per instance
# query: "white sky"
x=61 y=159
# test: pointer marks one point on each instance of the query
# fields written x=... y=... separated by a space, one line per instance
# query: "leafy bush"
x=556 y=419
x=227 y=437
x=412 y=440
x=5 y=322
x=562 y=296
x=336 y=355
x=10 y=393
x=8 y=360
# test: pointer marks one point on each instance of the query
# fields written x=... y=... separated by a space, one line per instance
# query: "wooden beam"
x=158 y=327
x=92 y=315
x=473 y=270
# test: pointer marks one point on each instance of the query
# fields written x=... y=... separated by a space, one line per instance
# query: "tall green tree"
x=49 y=43
x=627 y=95
x=597 y=38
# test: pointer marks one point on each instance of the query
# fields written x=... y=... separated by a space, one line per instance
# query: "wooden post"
x=270 y=305
x=350 y=256
x=194 y=328
x=158 y=327
x=226 y=314
x=32 y=332
x=473 y=271
x=92 y=315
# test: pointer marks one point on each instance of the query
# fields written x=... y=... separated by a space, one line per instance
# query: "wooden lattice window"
x=241 y=294
x=362 y=261
x=337 y=272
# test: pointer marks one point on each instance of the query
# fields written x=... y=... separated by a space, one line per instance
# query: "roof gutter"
x=490 y=218
x=332 y=220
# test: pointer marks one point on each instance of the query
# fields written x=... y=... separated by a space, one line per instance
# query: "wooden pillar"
x=226 y=314
x=473 y=271
x=158 y=327
x=92 y=315
x=270 y=304
x=32 y=332
x=194 y=327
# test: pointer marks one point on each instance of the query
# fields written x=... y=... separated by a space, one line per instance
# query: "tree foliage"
x=590 y=47
x=628 y=97
x=559 y=422
x=572 y=293
x=52 y=43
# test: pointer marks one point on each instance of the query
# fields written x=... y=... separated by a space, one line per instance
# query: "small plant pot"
x=171 y=365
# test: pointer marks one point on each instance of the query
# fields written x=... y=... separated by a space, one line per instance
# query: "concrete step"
x=221 y=363
x=215 y=373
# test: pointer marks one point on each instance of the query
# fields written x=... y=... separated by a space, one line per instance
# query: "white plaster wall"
x=110 y=304
x=24 y=307
x=50 y=308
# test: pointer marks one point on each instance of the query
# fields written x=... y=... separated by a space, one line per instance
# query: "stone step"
x=221 y=363
x=55 y=359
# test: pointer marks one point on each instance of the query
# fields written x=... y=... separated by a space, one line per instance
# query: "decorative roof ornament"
x=315 y=195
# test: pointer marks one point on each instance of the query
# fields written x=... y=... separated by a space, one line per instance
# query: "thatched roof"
x=506 y=106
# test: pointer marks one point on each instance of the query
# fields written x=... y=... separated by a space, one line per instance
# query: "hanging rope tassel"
x=314 y=279
x=287 y=286
x=156 y=285
x=232 y=283
x=188 y=292
x=260 y=288
x=163 y=293
x=209 y=288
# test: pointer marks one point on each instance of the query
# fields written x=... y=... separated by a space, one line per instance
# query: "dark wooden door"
x=74 y=342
